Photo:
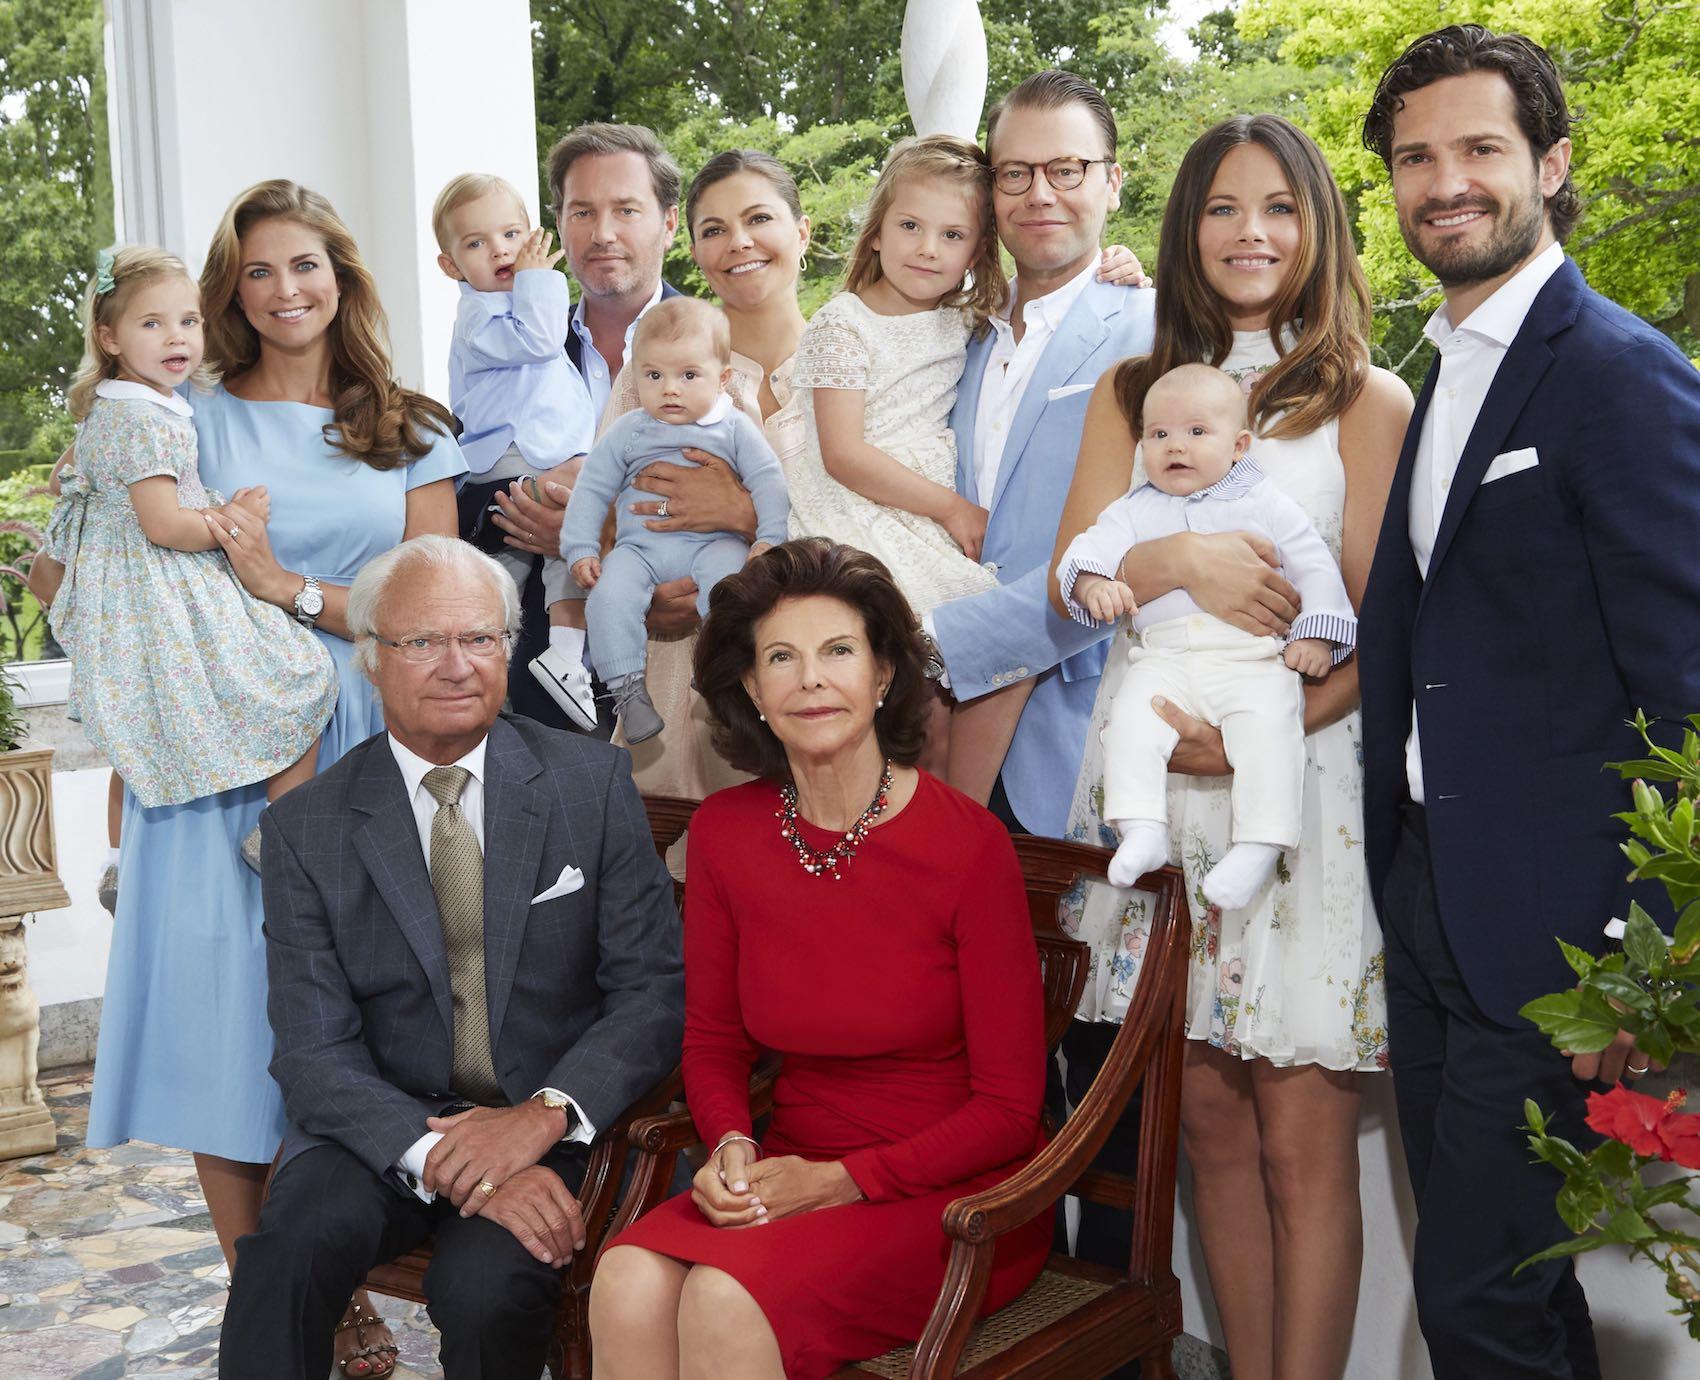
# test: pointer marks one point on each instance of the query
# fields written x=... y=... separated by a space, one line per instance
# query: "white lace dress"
x=1297 y=976
x=907 y=368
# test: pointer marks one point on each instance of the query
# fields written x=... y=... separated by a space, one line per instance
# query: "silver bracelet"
x=728 y=1139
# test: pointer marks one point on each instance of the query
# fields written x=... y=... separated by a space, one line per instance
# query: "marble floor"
x=109 y=1266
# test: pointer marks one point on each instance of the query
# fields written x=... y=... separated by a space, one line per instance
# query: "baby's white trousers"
x=1228 y=678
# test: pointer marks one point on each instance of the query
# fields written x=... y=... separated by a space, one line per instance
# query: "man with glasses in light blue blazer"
x=1018 y=420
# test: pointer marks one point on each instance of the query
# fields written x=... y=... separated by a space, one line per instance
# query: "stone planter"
x=29 y=881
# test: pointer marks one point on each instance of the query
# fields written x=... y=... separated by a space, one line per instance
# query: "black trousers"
x=1459 y=1079
x=328 y=1219
x=524 y=693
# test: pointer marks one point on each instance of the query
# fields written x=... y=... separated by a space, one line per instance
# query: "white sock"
x=111 y=859
x=568 y=640
x=1144 y=848
x=1240 y=875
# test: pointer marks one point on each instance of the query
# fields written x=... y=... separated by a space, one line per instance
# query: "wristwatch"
x=309 y=602
x=558 y=1102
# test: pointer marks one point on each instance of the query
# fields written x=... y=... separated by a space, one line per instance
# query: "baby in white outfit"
x=1199 y=478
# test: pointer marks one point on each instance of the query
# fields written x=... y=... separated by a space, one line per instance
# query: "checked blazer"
x=585 y=991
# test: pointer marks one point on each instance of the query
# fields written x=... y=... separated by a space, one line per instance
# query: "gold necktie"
x=457 y=877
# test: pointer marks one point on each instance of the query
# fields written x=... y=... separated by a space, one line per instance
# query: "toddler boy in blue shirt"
x=681 y=355
x=523 y=407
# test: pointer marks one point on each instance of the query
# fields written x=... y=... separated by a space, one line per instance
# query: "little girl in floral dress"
x=189 y=684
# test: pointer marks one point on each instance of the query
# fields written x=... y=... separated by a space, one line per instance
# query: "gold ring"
x=487 y=1188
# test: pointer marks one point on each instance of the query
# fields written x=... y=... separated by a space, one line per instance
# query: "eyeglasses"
x=426 y=648
x=1065 y=174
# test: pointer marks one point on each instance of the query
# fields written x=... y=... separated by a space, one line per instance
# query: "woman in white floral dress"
x=1286 y=1002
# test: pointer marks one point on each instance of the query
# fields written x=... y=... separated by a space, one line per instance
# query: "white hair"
x=366 y=594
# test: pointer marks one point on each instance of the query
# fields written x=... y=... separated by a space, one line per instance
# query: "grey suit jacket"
x=585 y=992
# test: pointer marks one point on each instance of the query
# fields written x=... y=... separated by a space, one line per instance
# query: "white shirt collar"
x=413 y=766
x=584 y=330
x=1498 y=319
x=1053 y=306
x=122 y=390
x=719 y=412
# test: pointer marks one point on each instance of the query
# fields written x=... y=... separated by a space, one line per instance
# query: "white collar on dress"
x=122 y=390
x=721 y=410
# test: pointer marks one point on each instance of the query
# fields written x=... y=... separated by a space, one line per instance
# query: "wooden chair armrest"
x=1051 y=1173
x=675 y=1131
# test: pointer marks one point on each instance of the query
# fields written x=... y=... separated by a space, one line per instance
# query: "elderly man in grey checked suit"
x=475 y=965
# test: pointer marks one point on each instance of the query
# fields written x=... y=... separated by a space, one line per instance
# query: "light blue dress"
x=184 y=1040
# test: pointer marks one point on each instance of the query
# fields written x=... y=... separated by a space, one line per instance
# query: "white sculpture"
x=944 y=66
x=26 y=1126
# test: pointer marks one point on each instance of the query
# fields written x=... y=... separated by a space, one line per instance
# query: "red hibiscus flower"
x=1631 y=1117
x=1681 y=1134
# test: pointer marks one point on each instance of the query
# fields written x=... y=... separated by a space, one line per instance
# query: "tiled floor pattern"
x=109 y=1266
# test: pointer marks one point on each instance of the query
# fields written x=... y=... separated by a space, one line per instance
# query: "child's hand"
x=1310 y=656
x=757 y=549
x=587 y=571
x=534 y=253
x=966 y=523
x=1121 y=266
x=1106 y=600
x=255 y=499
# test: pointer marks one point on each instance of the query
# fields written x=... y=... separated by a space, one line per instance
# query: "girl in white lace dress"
x=1286 y=1002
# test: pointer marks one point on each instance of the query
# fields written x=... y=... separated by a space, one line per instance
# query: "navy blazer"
x=586 y=990
x=1559 y=599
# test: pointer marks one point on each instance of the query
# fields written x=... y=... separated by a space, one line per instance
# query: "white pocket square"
x=1512 y=462
x=1057 y=394
x=570 y=880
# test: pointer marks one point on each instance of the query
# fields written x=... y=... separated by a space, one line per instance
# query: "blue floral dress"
x=186 y=682
x=184 y=1039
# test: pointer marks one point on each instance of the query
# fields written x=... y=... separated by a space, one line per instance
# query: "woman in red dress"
x=867 y=923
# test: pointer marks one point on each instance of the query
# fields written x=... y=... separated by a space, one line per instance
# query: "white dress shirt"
x=592 y=367
x=1010 y=365
x=411 y=1165
x=1470 y=356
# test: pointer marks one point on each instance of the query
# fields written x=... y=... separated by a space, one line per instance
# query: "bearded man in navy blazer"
x=1534 y=585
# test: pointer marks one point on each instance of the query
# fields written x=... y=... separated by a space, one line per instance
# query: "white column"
x=944 y=66
x=375 y=104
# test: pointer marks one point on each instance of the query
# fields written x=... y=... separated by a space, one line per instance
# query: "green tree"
x=56 y=191
x=1637 y=158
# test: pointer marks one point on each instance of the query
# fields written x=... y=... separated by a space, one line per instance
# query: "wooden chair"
x=569 y=1354
x=1077 y=1319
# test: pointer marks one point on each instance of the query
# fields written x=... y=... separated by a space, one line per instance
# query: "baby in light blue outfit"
x=523 y=408
x=681 y=356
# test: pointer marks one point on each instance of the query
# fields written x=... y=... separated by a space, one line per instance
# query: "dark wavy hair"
x=726 y=648
x=1457 y=51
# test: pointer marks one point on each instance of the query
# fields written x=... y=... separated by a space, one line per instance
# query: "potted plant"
x=29 y=879
x=1652 y=990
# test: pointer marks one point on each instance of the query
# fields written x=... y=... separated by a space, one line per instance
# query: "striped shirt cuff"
x=1330 y=627
x=1073 y=568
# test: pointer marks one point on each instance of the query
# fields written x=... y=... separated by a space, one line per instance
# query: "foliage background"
x=818 y=83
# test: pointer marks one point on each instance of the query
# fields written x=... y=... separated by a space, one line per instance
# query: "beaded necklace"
x=827 y=862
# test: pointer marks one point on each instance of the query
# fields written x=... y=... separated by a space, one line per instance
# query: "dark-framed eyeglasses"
x=1064 y=174
x=428 y=647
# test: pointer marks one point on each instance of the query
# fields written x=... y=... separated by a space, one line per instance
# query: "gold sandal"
x=378 y=1359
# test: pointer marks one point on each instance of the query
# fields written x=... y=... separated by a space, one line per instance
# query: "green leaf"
x=1612 y=1159
x=1571 y=1022
x=1658 y=1195
x=1580 y=1201
x=1687 y=932
x=1620 y=989
x=1580 y=960
x=1577 y=1245
x=1627 y=1226
x=1562 y=1156
x=1644 y=942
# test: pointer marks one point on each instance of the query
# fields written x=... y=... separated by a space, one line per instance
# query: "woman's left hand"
x=788 y=1184
x=1200 y=751
x=1121 y=266
x=240 y=530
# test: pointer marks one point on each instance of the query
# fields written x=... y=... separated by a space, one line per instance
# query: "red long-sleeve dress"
x=905 y=1000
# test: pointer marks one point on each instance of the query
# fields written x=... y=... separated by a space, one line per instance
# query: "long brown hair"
x=936 y=158
x=377 y=421
x=1320 y=319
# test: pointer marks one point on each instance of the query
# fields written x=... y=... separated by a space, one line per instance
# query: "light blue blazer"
x=1007 y=634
